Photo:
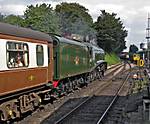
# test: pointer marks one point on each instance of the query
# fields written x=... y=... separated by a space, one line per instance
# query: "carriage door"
x=50 y=62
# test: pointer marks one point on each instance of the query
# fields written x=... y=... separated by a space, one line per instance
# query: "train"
x=36 y=67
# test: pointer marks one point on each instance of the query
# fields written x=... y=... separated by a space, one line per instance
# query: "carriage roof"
x=8 y=29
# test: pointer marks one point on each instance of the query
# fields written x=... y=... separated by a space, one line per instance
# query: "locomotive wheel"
x=76 y=82
x=88 y=79
x=95 y=75
x=99 y=75
x=103 y=73
x=91 y=77
x=70 y=86
x=73 y=85
x=66 y=88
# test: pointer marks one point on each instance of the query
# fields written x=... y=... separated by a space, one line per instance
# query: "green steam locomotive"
x=76 y=63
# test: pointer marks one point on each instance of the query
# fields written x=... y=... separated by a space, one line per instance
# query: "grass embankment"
x=112 y=58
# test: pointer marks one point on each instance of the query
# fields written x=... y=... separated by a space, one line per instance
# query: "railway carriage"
x=26 y=66
x=36 y=66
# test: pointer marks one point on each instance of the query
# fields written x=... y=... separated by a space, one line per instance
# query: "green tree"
x=110 y=32
x=41 y=17
x=1 y=17
x=14 y=20
x=74 y=18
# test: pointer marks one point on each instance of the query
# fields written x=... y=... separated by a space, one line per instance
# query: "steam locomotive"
x=36 y=67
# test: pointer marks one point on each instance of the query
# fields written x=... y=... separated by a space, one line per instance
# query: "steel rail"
x=65 y=116
x=111 y=67
x=82 y=103
x=114 y=99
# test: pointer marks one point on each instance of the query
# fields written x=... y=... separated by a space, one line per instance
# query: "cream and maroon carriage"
x=26 y=67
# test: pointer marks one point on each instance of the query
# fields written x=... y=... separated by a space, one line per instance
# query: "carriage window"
x=49 y=55
x=39 y=55
x=17 y=55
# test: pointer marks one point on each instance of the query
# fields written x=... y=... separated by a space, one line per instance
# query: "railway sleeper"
x=100 y=75
x=114 y=119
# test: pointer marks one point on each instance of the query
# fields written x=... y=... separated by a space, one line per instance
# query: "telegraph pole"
x=148 y=40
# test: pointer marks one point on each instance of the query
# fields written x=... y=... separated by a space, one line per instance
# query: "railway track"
x=90 y=108
x=102 y=118
x=39 y=115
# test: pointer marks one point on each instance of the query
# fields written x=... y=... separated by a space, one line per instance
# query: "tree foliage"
x=74 y=18
x=41 y=17
x=1 y=17
x=14 y=20
x=110 y=32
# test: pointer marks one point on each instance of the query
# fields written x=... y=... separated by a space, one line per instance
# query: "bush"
x=111 y=58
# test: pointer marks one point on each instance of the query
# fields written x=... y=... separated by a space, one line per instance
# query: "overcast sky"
x=133 y=13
